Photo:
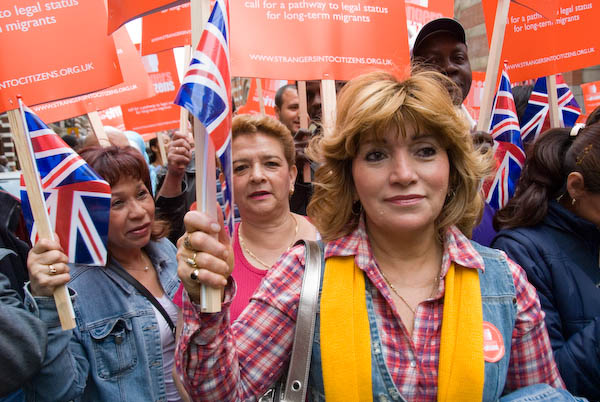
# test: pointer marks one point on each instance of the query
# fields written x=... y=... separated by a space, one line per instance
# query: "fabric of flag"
x=77 y=198
x=508 y=148
x=536 y=118
x=206 y=92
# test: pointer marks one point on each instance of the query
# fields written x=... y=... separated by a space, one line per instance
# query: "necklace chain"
x=146 y=268
x=414 y=311
x=251 y=254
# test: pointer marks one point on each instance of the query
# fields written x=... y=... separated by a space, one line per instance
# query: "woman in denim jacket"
x=122 y=347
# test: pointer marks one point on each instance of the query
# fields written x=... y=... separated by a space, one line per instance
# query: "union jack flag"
x=206 y=93
x=77 y=199
x=508 y=148
x=536 y=118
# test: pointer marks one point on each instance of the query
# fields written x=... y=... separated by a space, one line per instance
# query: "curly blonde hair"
x=368 y=107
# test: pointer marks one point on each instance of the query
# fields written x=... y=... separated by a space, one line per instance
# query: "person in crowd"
x=123 y=345
x=550 y=227
x=521 y=94
x=22 y=339
x=287 y=107
x=441 y=45
x=263 y=181
x=71 y=141
x=435 y=316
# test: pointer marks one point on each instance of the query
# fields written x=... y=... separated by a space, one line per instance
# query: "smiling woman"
x=125 y=313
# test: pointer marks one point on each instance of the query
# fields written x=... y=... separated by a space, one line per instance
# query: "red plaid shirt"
x=223 y=363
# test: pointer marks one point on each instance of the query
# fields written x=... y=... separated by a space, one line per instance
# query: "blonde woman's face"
x=262 y=178
x=402 y=182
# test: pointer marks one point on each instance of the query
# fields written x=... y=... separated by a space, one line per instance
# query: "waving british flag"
x=536 y=118
x=206 y=92
x=77 y=199
x=508 y=148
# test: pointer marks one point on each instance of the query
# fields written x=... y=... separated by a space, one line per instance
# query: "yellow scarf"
x=346 y=340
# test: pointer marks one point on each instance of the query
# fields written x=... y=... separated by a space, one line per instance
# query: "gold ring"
x=194 y=274
x=192 y=261
x=187 y=244
x=52 y=269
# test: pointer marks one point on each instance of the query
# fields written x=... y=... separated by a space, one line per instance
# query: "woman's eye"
x=426 y=152
x=239 y=168
x=142 y=193
x=374 y=156
x=272 y=164
x=116 y=203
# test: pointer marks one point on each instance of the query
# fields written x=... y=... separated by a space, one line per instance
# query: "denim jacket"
x=114 y=353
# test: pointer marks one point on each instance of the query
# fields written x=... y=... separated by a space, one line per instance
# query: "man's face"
x=289 y=114
x=450 y=56
x=313 y=100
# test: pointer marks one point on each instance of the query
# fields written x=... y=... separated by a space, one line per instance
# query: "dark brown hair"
x=116 y=163
x=553 y=156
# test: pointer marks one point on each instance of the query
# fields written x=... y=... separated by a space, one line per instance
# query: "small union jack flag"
x=206 y=93
x=536 y=118
x=508 y=148
x=77 y=199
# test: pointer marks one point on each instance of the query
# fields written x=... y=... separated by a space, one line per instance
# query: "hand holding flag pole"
x=24 y=149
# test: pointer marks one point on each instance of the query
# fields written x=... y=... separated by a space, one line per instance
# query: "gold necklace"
x=251 y=254
x=414 y=311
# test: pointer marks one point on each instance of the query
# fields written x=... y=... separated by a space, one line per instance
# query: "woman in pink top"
x=264 y=173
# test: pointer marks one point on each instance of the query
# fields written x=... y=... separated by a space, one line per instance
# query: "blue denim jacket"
x=499 y=308
x=114 y=353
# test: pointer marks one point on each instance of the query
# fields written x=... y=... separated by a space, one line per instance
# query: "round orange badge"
x=493 y=343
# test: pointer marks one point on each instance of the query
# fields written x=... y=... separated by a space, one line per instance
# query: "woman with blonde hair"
x=410 y=308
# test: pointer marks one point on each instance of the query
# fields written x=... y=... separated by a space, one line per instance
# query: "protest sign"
x=136 y=86
x=166 y=29
x=305 y=40
x=538 y=46
x=420 y=12
x=473 y=100
x=269 y=89
x=122 y=11
x=591 y=96
x=157 y=113
x=113 y=117
x=53 y=50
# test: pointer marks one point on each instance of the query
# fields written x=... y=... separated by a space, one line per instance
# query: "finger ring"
x=187 y=244
x=52 y=269
x=194 y=274
x=192 y=261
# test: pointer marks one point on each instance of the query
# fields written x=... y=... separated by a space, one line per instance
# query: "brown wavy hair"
x=554 y=155
x=115 y=163
x=369 y=106
x=243 y=124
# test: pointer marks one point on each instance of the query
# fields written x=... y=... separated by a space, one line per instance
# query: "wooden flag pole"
x=491 y=74
x=303 y=105
x=38 y=208
x=553 y=102
x=210 y=298
x=161 y=146
x=98 y=128
x=328 y=105
x=183 y=112
x=261 y=99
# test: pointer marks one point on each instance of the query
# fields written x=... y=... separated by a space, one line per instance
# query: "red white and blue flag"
x=536 y=118
x=508 y=148
x=76 y=197
x=206 y=93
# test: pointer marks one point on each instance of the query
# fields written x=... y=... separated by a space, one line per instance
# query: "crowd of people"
x=426 y=293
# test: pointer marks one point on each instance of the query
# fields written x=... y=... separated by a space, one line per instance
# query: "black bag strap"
x=142 y=289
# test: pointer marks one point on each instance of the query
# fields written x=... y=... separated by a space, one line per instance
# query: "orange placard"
x=166 y=29
x=307 y=40
x=113 y=116
x=591 y=96
x=473 y=100
x=53 y=50
x=122 y=11
x=420 y=12
x=136 y=86
x=536 y=46
x=157 y=113
x=269 y=89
